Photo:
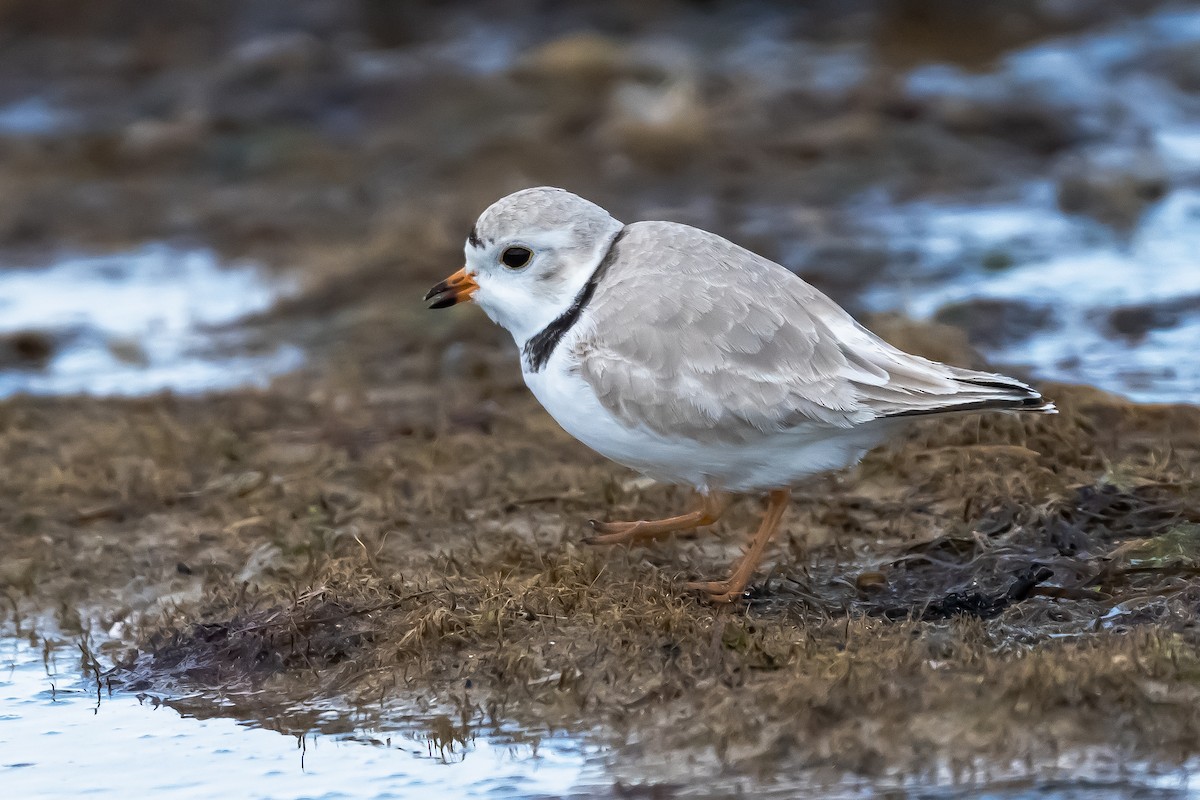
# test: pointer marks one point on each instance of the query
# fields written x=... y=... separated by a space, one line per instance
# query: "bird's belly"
x=770 y=462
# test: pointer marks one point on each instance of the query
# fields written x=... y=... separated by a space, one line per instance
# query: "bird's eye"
x=516 y=257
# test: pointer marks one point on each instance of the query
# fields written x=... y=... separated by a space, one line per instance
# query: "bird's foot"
x=616 y=532
x=720 y=591
x=711 y=509
x=731 y=588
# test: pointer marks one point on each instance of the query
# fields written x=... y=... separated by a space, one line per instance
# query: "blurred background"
x=202 y=195
x=198 y=194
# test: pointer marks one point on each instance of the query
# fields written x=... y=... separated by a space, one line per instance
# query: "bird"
x=696 y=362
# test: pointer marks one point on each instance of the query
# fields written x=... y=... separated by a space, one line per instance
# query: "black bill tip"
x=443 y=295
x=444 y=286
x=456 y=289
x=443 y=301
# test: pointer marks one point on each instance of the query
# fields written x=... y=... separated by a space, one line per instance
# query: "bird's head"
x=527 y=258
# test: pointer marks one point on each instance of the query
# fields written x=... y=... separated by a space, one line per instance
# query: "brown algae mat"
x=987 y=591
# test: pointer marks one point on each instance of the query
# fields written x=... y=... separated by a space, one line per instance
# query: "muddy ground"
x=987 y=598
x=988 y=593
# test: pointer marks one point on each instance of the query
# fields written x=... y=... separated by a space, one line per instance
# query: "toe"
x=718 y=591
x=613 y=533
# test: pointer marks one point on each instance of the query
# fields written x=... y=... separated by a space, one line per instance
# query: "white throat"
x=525 y=310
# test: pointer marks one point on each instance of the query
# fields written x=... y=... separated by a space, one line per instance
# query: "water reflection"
x=56 y=727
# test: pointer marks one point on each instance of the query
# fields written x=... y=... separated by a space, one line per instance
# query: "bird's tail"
x=982 y=391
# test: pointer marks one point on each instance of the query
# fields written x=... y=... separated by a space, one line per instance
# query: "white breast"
x=771 y=462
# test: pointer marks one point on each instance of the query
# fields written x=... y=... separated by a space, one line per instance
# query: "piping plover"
x=675 y=352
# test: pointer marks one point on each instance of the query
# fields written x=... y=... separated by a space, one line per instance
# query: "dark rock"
x=842 y=267
x=1113 y=186
x=27 y=349
x=997 y=260
x=993 y=323
x=1039 y=128
x=1181 y=63
x=1135 y=321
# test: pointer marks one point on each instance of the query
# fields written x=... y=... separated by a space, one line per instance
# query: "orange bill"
x=455 y=289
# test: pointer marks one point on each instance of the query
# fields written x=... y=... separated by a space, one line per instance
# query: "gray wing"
x=691 y=335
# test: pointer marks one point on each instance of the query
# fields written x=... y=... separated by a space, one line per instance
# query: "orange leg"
x=712 y=506
x=732 y=587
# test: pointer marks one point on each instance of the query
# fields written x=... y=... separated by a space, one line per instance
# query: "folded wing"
x=690 y=335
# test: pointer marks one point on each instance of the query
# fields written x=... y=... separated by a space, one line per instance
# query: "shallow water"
x=59 y=728
x=1069 y=270
x=1018 y=247
x=56 y=726
x=154 y=318
x=33 y=116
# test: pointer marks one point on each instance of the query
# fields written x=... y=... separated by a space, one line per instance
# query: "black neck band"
x=541 y=346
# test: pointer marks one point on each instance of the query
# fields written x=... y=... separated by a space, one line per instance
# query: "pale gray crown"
x=542 y=209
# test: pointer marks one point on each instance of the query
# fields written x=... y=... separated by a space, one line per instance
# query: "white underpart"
x=772 y=462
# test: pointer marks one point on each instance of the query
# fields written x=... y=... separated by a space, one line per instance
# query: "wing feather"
x=690 y=335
